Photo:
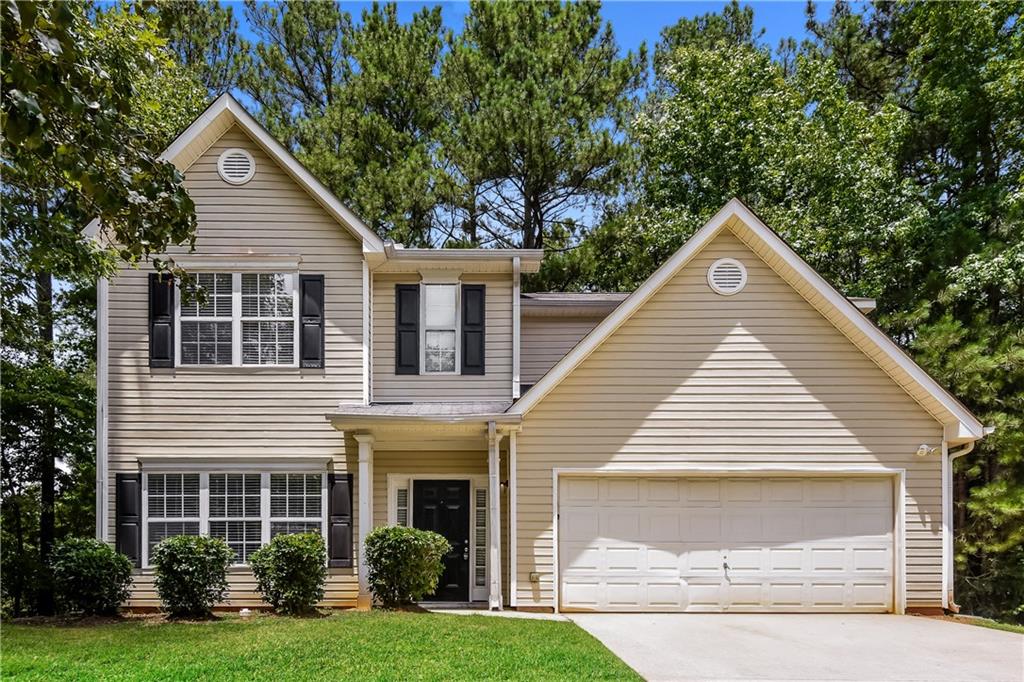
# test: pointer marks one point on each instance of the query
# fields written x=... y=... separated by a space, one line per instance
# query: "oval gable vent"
x=727 y=276
x=236 y=166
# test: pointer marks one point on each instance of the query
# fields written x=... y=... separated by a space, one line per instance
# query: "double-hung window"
x=172 y=507
x=235 y=515
x=295 y=503
x=245 y=509
x=206 y=321
x=440 y=328
x=239 y=319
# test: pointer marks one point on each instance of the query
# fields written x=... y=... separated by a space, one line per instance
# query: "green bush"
x=89 y=576
x=191 y=573
x=291 y=571
x=404 y=563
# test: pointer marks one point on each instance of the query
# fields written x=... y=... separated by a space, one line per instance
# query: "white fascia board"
x=968 y=423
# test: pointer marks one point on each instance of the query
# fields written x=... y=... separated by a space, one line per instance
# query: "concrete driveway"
x=692 y=646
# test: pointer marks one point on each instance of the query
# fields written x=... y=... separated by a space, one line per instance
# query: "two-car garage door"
x=821 y=543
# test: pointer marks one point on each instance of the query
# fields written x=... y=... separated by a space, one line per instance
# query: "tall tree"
x=204 y=37
x=375 y=144
x=76 y=149
x=298 y=63
x=725 y=119
x=548 y=98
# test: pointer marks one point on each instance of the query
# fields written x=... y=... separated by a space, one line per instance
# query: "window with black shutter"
x=407 y=329
x=311 y=316
x=339 y=520
x=128 y=517
x=161 y=320
x=473 y=314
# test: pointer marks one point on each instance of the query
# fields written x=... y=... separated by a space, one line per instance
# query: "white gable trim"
x=969 y=427
x=226 y=105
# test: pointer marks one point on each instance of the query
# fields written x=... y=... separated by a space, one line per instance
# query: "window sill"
x=233 y=369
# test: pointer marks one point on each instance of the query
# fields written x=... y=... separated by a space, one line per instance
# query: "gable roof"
x=226 y=111
x=959 y=424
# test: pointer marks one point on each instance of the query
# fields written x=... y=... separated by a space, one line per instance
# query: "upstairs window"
x=206 y=321
x=440 y=328
x=237 y=319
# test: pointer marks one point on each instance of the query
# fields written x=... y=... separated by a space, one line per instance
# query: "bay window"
x=245 y=509
x=239 y=319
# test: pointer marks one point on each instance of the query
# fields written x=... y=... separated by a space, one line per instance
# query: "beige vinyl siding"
x=495 y=384
x=545 y=340
x=241 y=412
x=759 y=378
x=444 y=462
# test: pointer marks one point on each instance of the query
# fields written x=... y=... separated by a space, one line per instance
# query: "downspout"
x=947 y=514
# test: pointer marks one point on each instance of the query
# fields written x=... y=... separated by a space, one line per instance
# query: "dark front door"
x=443 y=507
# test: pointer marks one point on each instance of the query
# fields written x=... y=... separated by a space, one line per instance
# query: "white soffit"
x=969 y=426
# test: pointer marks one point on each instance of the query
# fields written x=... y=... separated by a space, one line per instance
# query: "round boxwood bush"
x=191 y=574
x=291 y=572
x=404 y=563
x=89 y=576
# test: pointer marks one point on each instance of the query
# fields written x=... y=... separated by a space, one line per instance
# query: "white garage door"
x=725 y=544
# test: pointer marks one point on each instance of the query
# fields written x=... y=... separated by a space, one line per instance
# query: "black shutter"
x=339 y=520
x=473 y=312
x=311 y=321
x=407 y=329
x=128 y=525
x=161 y=320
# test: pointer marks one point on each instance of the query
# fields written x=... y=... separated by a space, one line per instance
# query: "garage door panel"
x=791 y=544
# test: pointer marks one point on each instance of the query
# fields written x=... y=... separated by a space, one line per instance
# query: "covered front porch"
x=442 y=467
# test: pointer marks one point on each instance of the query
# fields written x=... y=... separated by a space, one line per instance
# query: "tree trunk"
x=47 y=456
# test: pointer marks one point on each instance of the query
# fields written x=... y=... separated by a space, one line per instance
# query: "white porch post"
x=494 y=517
x=365 y=474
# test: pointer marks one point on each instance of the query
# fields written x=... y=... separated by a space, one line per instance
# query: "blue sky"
x=633 y=22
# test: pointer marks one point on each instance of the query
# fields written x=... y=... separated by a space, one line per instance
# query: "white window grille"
x=172 y=507
x=236 y=319
x=295 y=503
x=206 y=335
x=244 y=509
x=235 y=512
x=440 y=328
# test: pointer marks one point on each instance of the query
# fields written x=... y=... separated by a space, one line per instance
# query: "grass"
x=994 y=624
x=364 y=646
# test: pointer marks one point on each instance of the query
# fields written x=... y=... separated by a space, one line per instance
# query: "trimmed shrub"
x=291 y=572
x=89 y=576
x=404 y=563
x=191 y=573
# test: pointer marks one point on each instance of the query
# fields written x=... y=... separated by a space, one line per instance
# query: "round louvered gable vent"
x=236 y=166
x=727 y=276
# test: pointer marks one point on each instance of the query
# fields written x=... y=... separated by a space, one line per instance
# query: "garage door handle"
x=725 y=565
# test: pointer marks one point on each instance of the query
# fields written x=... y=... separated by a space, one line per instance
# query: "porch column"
x=494 y=516
x=365 y=474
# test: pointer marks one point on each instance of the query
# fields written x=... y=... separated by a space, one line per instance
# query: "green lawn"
x=364 y=646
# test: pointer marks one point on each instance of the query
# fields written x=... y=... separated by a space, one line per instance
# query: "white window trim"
x=237 y=319
x=204 y=503
x=399 y=480
x=423 y=327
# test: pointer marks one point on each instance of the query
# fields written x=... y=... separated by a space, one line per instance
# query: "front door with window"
x=443 y=507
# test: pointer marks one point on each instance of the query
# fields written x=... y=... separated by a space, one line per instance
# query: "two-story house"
x=734 y=435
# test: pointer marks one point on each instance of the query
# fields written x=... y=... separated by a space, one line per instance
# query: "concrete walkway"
x=881 y=648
